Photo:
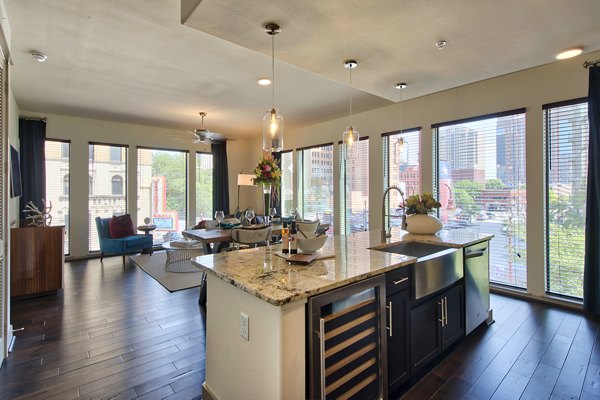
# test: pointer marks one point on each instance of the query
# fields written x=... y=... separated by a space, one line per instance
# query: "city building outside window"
x=566 y=136
x=107 y=181
x=480 y=182
x=58 y=164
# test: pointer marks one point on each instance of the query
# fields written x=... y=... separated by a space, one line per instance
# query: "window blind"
x=566 y=133
x=287 y=183
x=204 y=186
x=354 y=189
x=315 y=181
x=58 y=183
x=480 y=182
x=402 y=168
x=105 y=173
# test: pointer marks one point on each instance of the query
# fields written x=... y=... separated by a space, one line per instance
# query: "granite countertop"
x=262 y=273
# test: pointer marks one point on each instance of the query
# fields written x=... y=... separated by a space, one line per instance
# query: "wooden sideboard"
x=36 y=260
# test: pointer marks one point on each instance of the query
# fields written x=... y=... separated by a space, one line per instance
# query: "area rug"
x=154 y=265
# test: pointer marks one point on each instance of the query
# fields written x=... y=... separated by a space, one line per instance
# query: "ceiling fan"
x=203 y=135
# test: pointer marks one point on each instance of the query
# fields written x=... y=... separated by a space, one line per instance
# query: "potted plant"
x=419 y=221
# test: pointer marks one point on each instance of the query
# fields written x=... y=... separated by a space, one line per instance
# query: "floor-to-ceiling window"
x=107 y=167
x=566 y=133
x=401 y=168
x=480 y=181
x=204 y=186
x=354 y=188
x=58 y=156
x=287 y=183
x=315 y=183
x=162 y=190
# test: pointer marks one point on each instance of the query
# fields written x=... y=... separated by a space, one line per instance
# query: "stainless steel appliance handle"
x=322 y=354
x=400 y=281
x=476 y=254
x=389 y=307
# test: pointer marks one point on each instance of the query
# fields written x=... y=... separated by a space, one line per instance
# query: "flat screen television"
x=16 y=189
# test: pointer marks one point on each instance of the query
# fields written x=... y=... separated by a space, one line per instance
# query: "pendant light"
x=350 y=136
x=272 y=126
x=399 y=145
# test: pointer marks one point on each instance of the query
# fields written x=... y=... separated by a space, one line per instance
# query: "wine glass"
x=294 y=213
x=249 y=215
x=272 y=213
x=219 y=216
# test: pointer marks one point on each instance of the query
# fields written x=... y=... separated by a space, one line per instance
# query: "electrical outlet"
x=244 y=326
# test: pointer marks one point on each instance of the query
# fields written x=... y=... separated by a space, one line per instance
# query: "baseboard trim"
x=207 y=394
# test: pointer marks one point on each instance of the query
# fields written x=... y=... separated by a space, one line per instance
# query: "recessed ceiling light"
x=264 y=81
x=441 y=45
x=39 y=57
x=569 y=53
x=401 y=85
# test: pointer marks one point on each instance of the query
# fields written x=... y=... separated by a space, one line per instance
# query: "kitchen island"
x=257 y=294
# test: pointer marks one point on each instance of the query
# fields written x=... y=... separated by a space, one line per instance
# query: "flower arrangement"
x=422 y=204
x=267 y=172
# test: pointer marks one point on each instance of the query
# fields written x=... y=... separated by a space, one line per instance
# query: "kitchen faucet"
x=388 y=234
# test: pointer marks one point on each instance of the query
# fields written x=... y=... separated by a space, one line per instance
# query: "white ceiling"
x=134 y=61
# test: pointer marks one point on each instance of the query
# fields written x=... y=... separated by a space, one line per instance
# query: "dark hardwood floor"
x=116 y=333
x=112 y=333
x=532 y=351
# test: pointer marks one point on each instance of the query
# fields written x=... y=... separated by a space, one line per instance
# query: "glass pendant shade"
x=350 y=140
x=350 y=136
x=272 y=128
x=398 y=146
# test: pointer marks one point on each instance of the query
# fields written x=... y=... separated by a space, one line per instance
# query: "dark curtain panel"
x=32 y=138
x=591 y=276
x=275 y=193
x=220 y=177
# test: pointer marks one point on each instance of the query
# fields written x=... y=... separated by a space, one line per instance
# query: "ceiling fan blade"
x=201 y=137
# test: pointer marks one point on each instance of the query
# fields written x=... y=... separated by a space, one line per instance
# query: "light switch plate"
x=244 y=326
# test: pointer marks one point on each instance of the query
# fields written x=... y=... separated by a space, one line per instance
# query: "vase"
x=423 y=224
x=267 y=199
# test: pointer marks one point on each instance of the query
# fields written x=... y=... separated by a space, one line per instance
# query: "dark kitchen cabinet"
x=397 y=339
x=436 y=324
x=454 y=324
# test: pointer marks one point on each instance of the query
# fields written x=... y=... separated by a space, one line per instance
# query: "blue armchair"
x=126 y=245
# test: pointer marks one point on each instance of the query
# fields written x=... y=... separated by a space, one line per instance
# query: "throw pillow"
x=121 y=226
x=200 y=225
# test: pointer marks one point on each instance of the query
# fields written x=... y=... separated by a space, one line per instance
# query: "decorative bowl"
x=311 y=245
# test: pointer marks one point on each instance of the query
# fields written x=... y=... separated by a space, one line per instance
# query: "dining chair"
x=251 y=237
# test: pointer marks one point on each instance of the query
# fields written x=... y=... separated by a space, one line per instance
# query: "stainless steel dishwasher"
x=477 y=286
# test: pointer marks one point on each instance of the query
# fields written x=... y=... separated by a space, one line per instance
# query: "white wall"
x=531 y=89
x=80 y=131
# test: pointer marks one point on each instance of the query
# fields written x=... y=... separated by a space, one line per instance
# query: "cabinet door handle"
x=441 y=304
x=389 y=307
x=443 y=312
x=400 y=281
x=322 y=354
x=446 y=310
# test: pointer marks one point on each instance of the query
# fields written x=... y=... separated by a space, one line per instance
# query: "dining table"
x=218 y=237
